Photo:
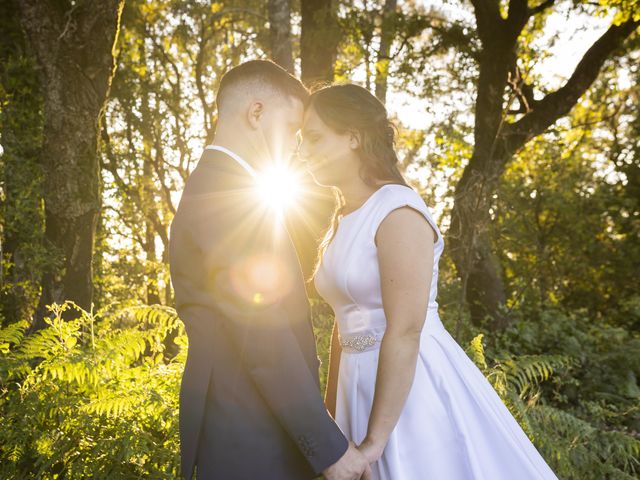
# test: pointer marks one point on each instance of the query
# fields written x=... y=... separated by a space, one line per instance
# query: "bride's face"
x=329 y=156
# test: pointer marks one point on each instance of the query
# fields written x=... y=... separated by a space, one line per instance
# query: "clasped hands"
x=355 y=464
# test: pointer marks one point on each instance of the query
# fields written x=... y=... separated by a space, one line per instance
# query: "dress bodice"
x=349 y=277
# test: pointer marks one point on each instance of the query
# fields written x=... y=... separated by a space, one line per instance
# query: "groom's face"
x=280 y=123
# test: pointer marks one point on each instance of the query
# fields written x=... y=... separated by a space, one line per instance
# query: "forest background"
x=519 y=123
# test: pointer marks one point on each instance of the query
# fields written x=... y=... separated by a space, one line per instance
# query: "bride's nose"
x=302 y=153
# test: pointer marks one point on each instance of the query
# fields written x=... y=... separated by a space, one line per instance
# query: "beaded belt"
x=358 y=343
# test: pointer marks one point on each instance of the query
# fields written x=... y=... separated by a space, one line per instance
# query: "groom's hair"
x=256 y=75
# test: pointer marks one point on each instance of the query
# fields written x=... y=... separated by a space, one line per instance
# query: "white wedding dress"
x=454 y=425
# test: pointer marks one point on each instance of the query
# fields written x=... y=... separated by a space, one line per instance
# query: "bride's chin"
x=319 y=180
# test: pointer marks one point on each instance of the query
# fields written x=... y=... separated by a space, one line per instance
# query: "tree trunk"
x=146 y=187
x=497 y=140
x=470 y=230
x=387 y=33
x=153 y=294
x=74 y=47
x=280 y=33
x=319 y=38
x=471 y=246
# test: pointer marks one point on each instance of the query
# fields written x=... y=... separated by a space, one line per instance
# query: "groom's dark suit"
x=250 y=403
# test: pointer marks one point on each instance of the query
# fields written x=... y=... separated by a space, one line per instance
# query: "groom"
x=250 y=402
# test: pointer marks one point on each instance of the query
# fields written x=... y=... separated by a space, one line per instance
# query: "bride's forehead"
x=312 y=119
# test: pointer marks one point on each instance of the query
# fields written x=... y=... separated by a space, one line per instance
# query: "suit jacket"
x=250 y=401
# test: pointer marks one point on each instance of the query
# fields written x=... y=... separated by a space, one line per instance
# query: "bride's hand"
x=371 y=450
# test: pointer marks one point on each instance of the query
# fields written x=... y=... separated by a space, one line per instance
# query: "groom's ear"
x=354 y=139
x=254 y=113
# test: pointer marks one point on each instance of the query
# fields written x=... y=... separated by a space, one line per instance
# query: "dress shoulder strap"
x=398 y=196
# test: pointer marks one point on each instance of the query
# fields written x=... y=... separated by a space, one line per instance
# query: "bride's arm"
x=332 y=375
x=405 y=243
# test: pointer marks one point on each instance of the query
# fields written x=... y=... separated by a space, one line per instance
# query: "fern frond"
x=582 y=449
x=527 y=372
x=12 y=335
x=112 y=405
x=475 y=351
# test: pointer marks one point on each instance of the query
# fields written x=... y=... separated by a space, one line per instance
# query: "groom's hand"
x=352 y=466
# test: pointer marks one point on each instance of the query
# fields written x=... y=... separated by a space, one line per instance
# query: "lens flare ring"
x=261 y=279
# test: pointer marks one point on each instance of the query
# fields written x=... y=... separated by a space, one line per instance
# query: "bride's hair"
x=351 y=108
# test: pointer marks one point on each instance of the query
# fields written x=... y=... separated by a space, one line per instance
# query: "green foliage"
x=99 y=392
x=603 y=384
x=322 y=327
x=22 y=255
x=623 y=10
x=566 y=217
x=103 y=387
x=13 y=334
x=575 y=447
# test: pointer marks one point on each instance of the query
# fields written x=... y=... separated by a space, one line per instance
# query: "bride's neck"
x=355 y=194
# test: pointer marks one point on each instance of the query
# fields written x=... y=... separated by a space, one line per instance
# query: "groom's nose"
x=298 y=151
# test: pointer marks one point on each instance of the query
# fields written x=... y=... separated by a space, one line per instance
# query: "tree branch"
x=522 y=90
x=111 y=165
x=559 y=103
x=517 y=18
x=542 y=7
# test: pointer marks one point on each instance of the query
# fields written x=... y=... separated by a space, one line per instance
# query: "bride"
x=399 y=385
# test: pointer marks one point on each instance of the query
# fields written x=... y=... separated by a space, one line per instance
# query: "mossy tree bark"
x=73 y=43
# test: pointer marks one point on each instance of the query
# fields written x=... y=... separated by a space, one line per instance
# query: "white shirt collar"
x=235 y=156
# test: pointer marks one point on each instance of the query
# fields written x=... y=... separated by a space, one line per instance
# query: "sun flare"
x=279 y=188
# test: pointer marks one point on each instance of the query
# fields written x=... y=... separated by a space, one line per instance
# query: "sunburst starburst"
x=278 y=187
